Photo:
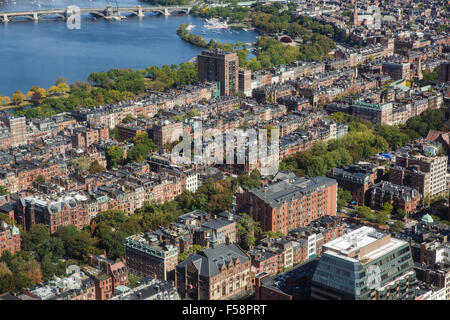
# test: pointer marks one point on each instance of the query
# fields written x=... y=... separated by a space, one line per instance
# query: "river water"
x=38 y=53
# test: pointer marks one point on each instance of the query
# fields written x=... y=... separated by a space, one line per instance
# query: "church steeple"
x=213 y=240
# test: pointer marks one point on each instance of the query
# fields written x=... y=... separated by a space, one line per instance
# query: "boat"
x=190 y=27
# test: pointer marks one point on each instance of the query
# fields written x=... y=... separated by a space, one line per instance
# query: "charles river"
x=37 y=53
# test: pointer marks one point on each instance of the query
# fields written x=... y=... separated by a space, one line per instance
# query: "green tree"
x=344 y=196
x=96 y=167
x=128 y=118
x=114 y=156
x=18 y=97
x=364 y=213
x=113 y=243
x=396 y=226
x=247 y=230
x=3 y=190
x=36 y=237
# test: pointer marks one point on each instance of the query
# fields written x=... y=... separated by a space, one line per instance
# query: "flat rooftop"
x=354 y=240
x=349 y=246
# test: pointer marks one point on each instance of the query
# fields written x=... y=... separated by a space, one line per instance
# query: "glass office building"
x=365 y=265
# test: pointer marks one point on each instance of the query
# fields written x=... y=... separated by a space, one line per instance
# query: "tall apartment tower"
x=18 y=129
x=219 y=66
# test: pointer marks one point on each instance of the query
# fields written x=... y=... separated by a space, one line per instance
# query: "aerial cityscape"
x=224 y=150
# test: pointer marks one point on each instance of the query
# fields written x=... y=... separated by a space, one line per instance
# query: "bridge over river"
x=107 y=13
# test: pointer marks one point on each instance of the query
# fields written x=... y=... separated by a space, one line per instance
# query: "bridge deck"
x=82 y=10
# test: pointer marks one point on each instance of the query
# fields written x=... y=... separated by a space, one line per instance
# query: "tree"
x=132 y=281
x=128 y=118
x=114 y=133
x=114 y=155
x=36 y=98
x=344 y=196
x=247 y=230
x=82 y=163
x=4 y=270
x=60 y=80
x=52 y=249
x=31 y=269
x=3 y=190
x=76 y=243
x=37 y=236
x=396 y=226
x=63 y=87
x=184 y=255
x=5 y=100
x=142 y=146
x=53 y=90
x=18 y=97
x=113 y=243
x=364 y=213
x=96 y=167
x=402 y=213
x=271 y=234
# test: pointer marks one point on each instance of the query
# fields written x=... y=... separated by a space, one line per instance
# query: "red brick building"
x=9 y=238
x=356 y=178
x=290 y=202
x=110 y=275
x=53 y=213
x=400 y=197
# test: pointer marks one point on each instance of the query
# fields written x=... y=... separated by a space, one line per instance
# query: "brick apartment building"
x=397 y=71
x=53 y=212
x=427 y=174
x=374 y=112
x=126 y=131
x=219 y=66
x=167 y=132
x=289 y=202
x=357 y=178
x=83 y=137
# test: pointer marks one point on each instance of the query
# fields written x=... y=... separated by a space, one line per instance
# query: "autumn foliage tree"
x=18 y=97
